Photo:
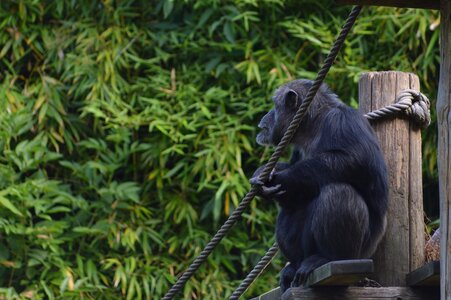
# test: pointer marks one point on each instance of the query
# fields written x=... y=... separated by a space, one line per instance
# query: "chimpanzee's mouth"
x=263 y=132
x=262 y=137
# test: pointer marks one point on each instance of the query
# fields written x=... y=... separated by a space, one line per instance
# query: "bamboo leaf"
x=7 y=204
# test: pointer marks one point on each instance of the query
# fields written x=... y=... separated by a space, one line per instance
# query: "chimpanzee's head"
x=286 y=99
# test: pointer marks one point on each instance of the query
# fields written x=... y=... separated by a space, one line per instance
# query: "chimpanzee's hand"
x=268 y=190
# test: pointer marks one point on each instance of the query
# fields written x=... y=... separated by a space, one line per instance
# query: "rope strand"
x=256 y=272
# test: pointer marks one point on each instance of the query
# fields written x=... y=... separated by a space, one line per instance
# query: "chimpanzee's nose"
x=262 y=125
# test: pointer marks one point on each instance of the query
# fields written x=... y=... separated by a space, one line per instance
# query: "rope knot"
x=419 y=108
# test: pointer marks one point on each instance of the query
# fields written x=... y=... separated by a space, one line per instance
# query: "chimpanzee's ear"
x=291 y=99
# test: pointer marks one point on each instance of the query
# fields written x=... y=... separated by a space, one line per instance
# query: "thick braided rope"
x=236 y=215
x=256 y=271
x=410 y=102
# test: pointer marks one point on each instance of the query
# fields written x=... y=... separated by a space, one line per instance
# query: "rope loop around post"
x=409 y=102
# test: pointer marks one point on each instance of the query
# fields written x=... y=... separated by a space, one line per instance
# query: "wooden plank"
x=334 y=273
x=444 y=143
x=273 y=294
x=427 y=275
x=402 y=249
x=341 y=273
x=361 y=293
x=431 y=4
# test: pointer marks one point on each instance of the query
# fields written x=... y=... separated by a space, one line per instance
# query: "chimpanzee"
x=333 y=194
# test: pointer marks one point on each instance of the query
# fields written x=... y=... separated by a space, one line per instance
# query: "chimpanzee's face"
x=274 y=124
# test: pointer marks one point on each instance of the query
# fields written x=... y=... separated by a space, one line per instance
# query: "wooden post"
x=402 y=249
x=444 y=142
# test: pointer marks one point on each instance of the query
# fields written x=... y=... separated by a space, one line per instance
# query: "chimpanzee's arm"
x=303 y=180
x=280 y=166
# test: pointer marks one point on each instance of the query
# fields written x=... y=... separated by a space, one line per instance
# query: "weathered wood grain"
x=432 y=4
x=444 y=143
x=416 y=213
x=361 y=293
x=402 y=249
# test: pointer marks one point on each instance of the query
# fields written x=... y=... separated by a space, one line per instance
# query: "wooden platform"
x=360 y=293
x=341 y=273
x=333 y=280
x=427 y=275
x=334 y=273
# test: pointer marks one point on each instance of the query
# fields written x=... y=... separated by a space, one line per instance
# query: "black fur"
x=333 y=192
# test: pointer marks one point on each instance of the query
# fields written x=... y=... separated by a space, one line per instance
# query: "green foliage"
x=127 y=133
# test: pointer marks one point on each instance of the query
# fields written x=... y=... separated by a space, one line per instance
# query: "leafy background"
x=127 y=133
